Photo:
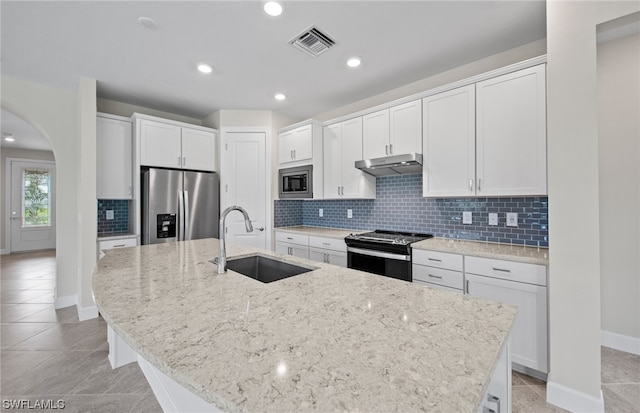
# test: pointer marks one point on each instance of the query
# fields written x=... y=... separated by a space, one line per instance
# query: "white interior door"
x=244 y=181
x=32 y=212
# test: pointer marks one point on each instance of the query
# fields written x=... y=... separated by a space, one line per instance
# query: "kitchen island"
x=332 y=339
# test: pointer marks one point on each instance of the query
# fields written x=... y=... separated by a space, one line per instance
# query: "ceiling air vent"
x=313 y=41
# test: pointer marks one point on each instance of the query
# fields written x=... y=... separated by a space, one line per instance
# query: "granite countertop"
x=337 y=233
x=333 y=339
x=519 y=253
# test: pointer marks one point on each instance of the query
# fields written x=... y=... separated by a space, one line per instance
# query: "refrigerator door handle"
x=180 y=236
x=185 y=214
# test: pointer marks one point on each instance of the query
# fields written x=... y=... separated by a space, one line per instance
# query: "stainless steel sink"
x=264 y=269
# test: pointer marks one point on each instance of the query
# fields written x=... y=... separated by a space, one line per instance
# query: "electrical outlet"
x=110 y=214
x=349 y=213
x=512 y=219
x=493 y=218
x=320 y=212
x=467 y=217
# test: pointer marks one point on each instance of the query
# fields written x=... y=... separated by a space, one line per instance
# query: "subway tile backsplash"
x=120 y=222
x=400 y=207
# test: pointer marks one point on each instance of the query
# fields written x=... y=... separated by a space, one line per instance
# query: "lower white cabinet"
x=112 y=243
x=438 y=269
x=292 y=244
x=522 y=285
x=498 y=396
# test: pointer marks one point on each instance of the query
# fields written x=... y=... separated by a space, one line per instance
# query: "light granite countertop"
x=337 y=233
x=333 y=339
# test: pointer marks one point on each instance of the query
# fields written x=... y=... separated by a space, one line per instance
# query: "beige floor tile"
x=49 y=315
x=15 y=333
x=15 y=312
x=621 y=398
x=619 y=366
x=16 y=363
x=77 y=336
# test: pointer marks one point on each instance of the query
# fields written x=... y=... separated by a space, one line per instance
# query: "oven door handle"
x=380 y=254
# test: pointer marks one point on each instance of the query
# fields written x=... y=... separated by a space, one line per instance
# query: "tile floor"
x=49 y=354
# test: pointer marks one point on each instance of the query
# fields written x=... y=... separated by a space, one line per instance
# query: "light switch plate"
x=349 y=213
x=110 y=214
x=320 y=212
x=467 y=217
x=512 y=219
x=493 y=218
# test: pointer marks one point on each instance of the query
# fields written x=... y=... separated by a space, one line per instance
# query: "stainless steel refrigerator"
x=179 y=205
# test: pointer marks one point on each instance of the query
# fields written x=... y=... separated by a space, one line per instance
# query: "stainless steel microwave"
x=296 y=182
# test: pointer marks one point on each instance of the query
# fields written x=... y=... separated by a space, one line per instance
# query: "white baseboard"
x=573 y=400
x=65 y=301
x=620 y=342
x=4 y=251
x=87 y=313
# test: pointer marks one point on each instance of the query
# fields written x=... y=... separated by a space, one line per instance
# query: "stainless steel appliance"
x=409 y=163
x=385 y=253
x=179 y=205
x=296 y=182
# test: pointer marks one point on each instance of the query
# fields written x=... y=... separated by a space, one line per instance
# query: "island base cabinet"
x=498 y=397
x=529 y=333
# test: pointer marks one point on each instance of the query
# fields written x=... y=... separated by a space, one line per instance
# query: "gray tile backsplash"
x=400 y=206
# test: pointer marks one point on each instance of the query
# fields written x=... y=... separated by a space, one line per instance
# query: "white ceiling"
x=25 y=135
x=56 y=42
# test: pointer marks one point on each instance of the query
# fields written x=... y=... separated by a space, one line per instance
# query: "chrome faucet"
x=222 y=257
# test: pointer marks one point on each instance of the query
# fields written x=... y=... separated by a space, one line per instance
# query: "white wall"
x=53 y=112
x=126 y=109
x=574 y=255
x=14 y=153
x=619 y=160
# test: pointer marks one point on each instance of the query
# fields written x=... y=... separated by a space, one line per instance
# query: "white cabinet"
x=511 y=134
x=342 y=147
x=113 y=243
x=487 y=139
x=292 y=244
x=393 y=131
x=522 y=285
x=498 y=396
x=114 y=158
x=295 y=145
x=438 y=270
x=175 y=145
x=328 y=250
x=449 y=143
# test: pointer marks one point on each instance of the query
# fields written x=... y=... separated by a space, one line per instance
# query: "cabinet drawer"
x=438 y=259
x=292 y=238
x=328 y=243
x=117 y=243
x=507 y=270
x=447 y=278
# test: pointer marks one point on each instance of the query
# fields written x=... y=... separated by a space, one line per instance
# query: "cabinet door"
x=332 y=161
x=406 y=128
x=114 y=159
x=160 y=144
x=199 y=150
x=292 y=249
x=327 y=256
x=302 y=143
x=375 y=142
x=355 y=183
x=285 y=147
x=529 y=333
x=511 y=134
x=449 y=143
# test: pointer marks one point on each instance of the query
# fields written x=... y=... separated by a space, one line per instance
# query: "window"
x=36 y=197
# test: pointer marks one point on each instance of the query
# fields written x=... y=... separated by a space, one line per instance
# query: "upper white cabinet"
x=342 y=144
x=393 y=131
x=487 y=139
x=176 y=145
x=449 y=167
x=296 y=144
x=114 y=160
x=511 y=134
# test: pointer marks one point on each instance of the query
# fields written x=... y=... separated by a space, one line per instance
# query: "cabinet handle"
x=435 y=259
x=326 y=258
x=291 y=153
x=342 y=190
x=390 y=149
x=435 y=276
x=386 y=149
x=119 y=246
x=466 y=285
x=289 y=238
x=494 y=399
x=289 y=250
x=179 y=161
x=294 y=154
x=326 y=243
x=470 y=184
x=479 y=184
x=500 y=269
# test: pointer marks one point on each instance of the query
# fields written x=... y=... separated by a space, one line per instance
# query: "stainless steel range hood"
x=410 y=163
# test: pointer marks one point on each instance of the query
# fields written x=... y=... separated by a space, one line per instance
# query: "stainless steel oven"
x=385 y=253
x=296 y=182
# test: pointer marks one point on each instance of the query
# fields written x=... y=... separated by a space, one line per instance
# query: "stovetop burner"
x=389 y=237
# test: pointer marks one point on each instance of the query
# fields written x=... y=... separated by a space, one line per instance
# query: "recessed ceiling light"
x=148 y=22
x=205 y=68
x=280 y=96
x=273 y=8
x=8 y=137
x=354 y=61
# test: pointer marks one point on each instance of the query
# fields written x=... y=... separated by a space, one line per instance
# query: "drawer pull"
x=500 y=269
x=435 y=276
x=289 y=238
x=326 y=243
x=435 y=259
x=119 y=245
